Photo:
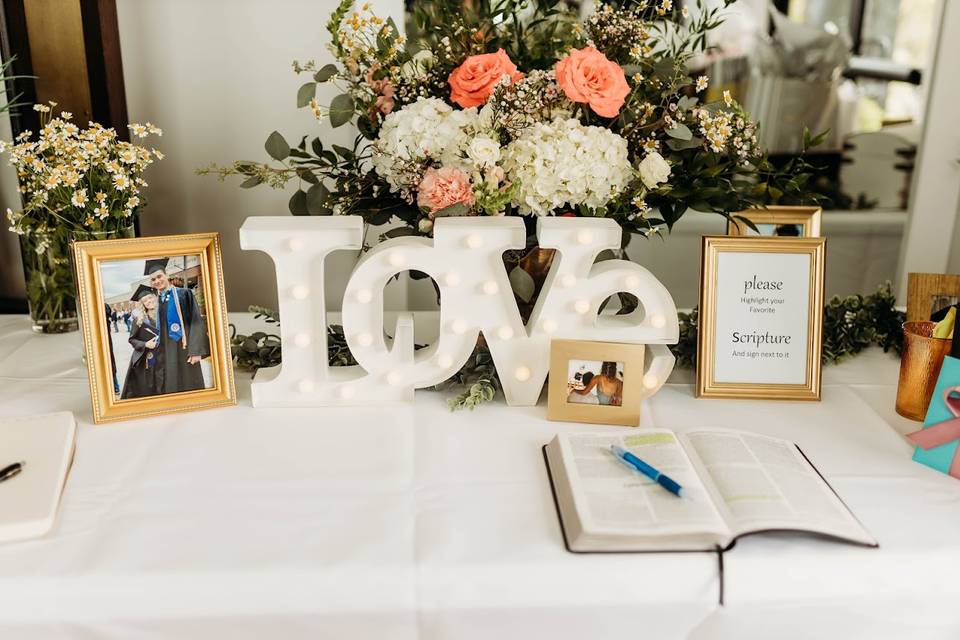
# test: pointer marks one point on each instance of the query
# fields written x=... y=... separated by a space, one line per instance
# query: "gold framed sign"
x=595 y=382
x=761 y=318
x=777 y=221
x=154 y=323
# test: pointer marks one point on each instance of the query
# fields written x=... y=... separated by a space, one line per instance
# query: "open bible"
x=734 y=483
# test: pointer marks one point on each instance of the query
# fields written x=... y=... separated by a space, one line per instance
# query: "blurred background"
x=217 y=77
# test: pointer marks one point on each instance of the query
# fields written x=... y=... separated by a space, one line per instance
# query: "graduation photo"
x=155 y=324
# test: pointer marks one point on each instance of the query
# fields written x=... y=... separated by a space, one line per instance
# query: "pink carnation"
x=441 y=188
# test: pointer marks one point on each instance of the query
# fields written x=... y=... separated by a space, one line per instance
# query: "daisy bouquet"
x=84 y=180
x=76 y=184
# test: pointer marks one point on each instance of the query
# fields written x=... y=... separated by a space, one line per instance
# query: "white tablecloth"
x=415 y=522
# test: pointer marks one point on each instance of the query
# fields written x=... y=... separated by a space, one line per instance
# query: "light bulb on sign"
x=306 y=385
x=394 y=378
x=396 y=259
x=302 y=339
x=458 y=326
x=522 y=373
x=584 y=237
x=364 y=339
x=474 y=241
x=548 y=325
x=568 y=280
x=300 y=292
x=452 y=279
x=295 y=244
x=505 y=333
x=631 y=282
x=658 y=321
x=581 y=306
x=364 y=296
x=650 y=381
x=445 y=361
x=346 y=392
x=491 y=288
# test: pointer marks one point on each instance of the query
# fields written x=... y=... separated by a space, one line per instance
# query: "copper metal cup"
x=919 y=368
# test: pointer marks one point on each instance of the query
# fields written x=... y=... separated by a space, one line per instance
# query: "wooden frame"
x=807 y=217
x=707 y=384
x=88 y=258
x=922 y=288
x=631 y=355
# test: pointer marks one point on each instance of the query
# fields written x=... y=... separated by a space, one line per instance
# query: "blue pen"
x=633 y=461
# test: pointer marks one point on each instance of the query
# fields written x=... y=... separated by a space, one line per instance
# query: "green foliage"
x=855 y=322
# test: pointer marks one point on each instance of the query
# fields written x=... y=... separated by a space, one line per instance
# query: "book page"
x=766 y=483
x=612 y=497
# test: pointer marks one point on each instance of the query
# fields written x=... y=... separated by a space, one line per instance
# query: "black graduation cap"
x=155 y=265
x=141 y=291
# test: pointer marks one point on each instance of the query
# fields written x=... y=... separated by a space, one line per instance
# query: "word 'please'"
x=762 y=285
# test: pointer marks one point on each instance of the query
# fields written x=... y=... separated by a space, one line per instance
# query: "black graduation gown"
x=178 y=375
x=143 y=381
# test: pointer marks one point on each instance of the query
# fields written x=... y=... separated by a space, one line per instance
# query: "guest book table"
x=414 y=522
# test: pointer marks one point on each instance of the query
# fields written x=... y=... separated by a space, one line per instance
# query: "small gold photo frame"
x=930 y=295
x=595 y=382
x=777 y=221
x=761 y=318
x=154 y=323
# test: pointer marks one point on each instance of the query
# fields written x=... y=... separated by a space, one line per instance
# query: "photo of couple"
x=156 y=326
x=595 y=382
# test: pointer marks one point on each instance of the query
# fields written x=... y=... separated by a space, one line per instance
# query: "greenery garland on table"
x=850 y=325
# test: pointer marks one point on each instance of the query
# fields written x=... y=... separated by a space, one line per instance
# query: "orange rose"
x=587 y=76
x=473 y=81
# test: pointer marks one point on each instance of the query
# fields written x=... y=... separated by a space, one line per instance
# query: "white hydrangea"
x=428 y=129
x=565 y=163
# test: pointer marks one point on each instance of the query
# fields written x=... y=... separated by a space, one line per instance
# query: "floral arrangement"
x=515 y=107
x=77 y=184
x=518 y=107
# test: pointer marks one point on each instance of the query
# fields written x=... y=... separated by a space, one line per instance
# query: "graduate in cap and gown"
x=183 y=332
x=145 y=374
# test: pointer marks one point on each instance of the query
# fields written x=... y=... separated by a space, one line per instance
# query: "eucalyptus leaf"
x=458 y=209
x=298 y=203
x=681 y=145
x=305 y=94
x=326 y=72
x=687 y=102
x=680 y=131
x=522 y=284
x=342 y=110
x=277 y=147
x=316 y=200
x=252 y=181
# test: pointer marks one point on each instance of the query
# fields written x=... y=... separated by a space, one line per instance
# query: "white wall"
x=217 y=77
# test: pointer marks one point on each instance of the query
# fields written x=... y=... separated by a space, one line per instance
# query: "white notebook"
x=29 y=501
x=734 y=484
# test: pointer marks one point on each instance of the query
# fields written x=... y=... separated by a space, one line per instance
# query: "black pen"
x=11 y=470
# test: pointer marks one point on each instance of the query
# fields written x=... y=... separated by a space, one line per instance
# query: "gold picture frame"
x=708 y=386
x=927 y=293
x=628 y=361
x=806 y=216
x=203 y=250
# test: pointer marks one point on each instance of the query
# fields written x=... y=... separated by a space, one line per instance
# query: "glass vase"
x=48 y=273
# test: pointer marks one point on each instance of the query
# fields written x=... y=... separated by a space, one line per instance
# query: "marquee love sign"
x=465 y=258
